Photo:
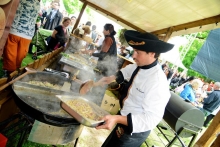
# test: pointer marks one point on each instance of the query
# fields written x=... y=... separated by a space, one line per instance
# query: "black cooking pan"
x=41 y=103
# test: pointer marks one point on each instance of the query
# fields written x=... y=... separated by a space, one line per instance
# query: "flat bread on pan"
x=2 y=22
x=3 y=2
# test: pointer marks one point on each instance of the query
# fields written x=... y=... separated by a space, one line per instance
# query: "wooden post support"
x=210 y=134
x=80 y=15
x=168 y=34
x=216 y=143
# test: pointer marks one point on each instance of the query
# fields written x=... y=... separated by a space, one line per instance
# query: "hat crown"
x=147 y=36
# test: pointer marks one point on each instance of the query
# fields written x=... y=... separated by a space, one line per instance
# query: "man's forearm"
x=122 y=120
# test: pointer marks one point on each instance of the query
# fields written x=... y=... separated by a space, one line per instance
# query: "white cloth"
x=147 y=98
x=100 y=41
x=25 y=19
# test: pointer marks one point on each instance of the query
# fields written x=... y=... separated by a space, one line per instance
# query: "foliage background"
x=192 y=52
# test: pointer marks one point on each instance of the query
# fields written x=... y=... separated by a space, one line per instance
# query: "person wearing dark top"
x=59 y=35
x=107 y=57
x=54 y=18
x=212 y=102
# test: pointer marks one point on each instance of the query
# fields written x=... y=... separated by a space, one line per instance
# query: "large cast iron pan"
x=40 y=102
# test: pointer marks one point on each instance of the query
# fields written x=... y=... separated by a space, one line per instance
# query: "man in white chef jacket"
x=144 y=98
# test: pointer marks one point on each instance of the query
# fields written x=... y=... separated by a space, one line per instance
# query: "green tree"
x=193 y=51
x=73 y=6
x=45 y=1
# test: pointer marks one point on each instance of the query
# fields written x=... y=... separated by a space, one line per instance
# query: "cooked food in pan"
x=45 y=84
x=84 y=109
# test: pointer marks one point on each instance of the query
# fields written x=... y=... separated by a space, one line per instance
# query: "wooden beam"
x=216 y=143
x=168 y=34
x=80 y=16
x=113 y=16
x=210 y=134
x=198 y=23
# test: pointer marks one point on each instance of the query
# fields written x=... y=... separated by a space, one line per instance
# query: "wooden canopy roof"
x=161 y=17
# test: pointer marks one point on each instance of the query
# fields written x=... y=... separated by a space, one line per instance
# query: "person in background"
x=210 y=117
x=94 y=36
x=210 y=87
x=64 y=13
x=73 y=21
x=180 y=88
x=75 y=44
x=189 y=91
x=144 y=98
x=201 y=92
x=59 y=36
x=212 y=102
x=21 y=33
x=88 y=23
x=43 y=14
x=122 y=52
x=54 y=18
x=107 y=62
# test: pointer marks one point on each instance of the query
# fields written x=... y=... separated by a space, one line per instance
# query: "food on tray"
x=78 y=58
x=84 y=109
x=45 y=84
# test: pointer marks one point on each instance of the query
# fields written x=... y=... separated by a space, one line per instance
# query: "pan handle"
x=59 y=122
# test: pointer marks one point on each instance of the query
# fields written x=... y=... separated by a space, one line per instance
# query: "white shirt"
x=147 y=98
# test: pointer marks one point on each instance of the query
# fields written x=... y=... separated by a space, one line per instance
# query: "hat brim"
x=3 y=2
x=146 y=42
x=2 y=22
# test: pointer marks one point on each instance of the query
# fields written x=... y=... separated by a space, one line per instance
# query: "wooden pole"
x=168 y=34
x=210 y=134
x=198 y=23
x=216 y=143
x=80 y=16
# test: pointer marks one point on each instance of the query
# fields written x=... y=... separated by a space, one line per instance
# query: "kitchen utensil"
x=28 y=71
x=64 y=74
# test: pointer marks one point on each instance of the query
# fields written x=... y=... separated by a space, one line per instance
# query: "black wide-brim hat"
x=146 y=42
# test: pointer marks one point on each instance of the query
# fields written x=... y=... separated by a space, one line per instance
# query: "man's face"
x=143 y=58
x=55 y=5
x=215 y=87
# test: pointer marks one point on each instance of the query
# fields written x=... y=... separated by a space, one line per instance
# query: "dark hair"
x=66 y=19
x=73 y=17
x=169 y=75
x=156 y=55
x=88 y=23
x=110 y=28
x=191 y=78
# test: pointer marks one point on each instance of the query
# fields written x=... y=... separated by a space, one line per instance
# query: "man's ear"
x=152 y=54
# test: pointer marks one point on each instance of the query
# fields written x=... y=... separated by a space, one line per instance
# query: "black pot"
x=40 y=105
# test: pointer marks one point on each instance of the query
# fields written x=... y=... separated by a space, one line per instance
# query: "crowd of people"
x=205 y=96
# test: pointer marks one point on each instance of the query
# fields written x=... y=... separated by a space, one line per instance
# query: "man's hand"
x=106 y=80
x=112 y=120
